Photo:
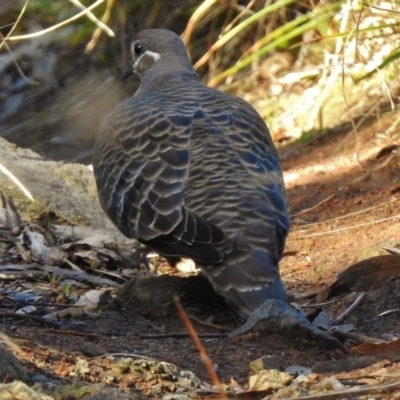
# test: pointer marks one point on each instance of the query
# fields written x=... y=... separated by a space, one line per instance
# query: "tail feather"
x=247 y=280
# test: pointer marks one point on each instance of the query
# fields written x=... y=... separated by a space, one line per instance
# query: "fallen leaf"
x=389 y=350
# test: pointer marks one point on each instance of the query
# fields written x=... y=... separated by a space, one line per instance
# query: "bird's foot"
x=275 y=316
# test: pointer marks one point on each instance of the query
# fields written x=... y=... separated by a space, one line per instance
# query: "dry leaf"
x=389 y=350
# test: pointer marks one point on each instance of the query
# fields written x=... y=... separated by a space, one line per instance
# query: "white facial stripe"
x=155 y=56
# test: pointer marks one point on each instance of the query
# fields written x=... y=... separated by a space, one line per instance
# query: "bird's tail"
x=246 y=280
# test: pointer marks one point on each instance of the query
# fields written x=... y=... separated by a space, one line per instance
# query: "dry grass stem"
x=57 y=26
x=14 y=26
x=210 y=325
x=97 y=33
x=196 y=17
x=307 y=210
x=202 y=351
x=346 y=228
x=14 y=179
x=352 y=214
x=100 y=25
x=349 y=310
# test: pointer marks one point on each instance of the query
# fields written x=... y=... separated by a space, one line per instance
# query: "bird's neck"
x=154 y=80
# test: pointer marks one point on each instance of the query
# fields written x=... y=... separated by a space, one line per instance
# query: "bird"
x=192 y=172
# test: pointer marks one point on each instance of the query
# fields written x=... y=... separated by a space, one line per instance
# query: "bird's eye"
x=138 y=48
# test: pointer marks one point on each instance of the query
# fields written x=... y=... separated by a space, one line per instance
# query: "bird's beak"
x=128 y=71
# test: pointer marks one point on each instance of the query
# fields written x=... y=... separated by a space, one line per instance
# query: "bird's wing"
x=141 y=162
x=251 y=141
x=258 y=154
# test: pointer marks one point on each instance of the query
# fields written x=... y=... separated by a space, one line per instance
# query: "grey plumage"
x=192 y=172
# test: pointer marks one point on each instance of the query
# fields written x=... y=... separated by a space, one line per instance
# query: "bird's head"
x=159 y=51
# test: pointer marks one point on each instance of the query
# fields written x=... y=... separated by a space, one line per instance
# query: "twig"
x=73 y=333
x=346 y=228
x=391 y=250
x=36 y=304
x=349 y=310
x=326 y=303
x=12 y=276
x=299 y=281
x=352 y=214
x=61 y=273
x=4 y=43
x=313 y=207
x=210 y=325
x=14 y=59
x=73 y=266
x=202 y=351
x=384 y=163
x=357 y=337
x=35 y=318
x=184 y=335
x=54 y=27
x=372 y=389
x=355 y=130
x=134 y=355
x=14 y=25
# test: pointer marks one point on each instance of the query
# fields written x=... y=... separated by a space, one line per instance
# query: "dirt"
x=344 y=201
